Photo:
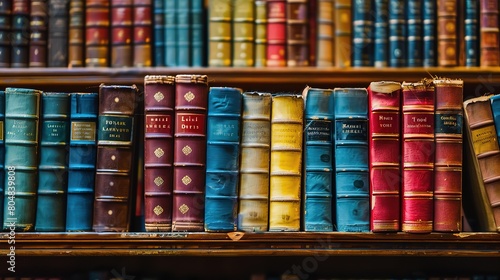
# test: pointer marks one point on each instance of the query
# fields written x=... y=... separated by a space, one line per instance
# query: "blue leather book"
x=351 y=160
x=198 y=45
x=414 y=33
x=170 y=33
x=495 y=109
x=159 y=32
x=53 y=164
x=381 y=33
x=318 y=162
x=183 y=35
x=362 y=33
x=2 y=152
x=223 y=158
x=397 y=33
x=22 y=112
x=82 y=160
x=429 y=14
x=471 y=31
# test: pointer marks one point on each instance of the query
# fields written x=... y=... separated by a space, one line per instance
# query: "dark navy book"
x=381 y=33
x=429 y=33
x=362 y=33
x=397 y=33
x=471 y=39
x=414 y=33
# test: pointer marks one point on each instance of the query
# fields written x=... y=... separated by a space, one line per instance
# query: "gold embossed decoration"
x=158 y=210
x=159 y=96
x=187 y=150
x=186 y=180
x=159 y=152
x=189 y=96
x=183 y=208
x=158 y=181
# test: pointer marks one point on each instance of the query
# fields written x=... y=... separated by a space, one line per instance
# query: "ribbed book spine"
x=297 y=33
x=76 y=33
x=381 y=33
x=260 y=51
x=318 y=159
x=362 y=33
x=223 y=152
x=351 y=160
x=82 y=160
x=115 y=160
x=191 y=100
x=170 y=33
x=448 y=155
x=97 y=33
x=142 y=33
x=276 y=33
x=397 y=33
x=429 y=19
x=243 y=32
x=384 y=100
x=254 y=167
x=183 y=34
x=471 y=33
x=38 y=33
x=22 y=112
x=57 y=46
x=447 y=48
x=20 y=35
x=489 y=33
x=414 y=33
x=53 y=163
x=159 y=33
x=2 y=156
x=5 y=32
x=285 y=193
x=343 y=33
x=159 y=102
x=219 y=33
x=121 y=33
x=198 y=33
x=325 y=33
x=418 y=157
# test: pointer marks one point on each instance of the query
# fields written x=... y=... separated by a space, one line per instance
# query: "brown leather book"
x=489 y=33
x=447 y=33
x=76 y=33
x=191 y=100
x=38 y=33
x=297 y=33
x=121 y=33
x=115 y=158
x=97 y=14
x=142 y=34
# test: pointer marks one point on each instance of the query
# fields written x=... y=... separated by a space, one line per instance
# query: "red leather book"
x=159 y=99
x=418 y=157
x=385 y=155
x=20 y=35
x=121 y=33
x=38 y=33
x=276 y=33
x=191 y=100
x=489 y=33
x=447 y=32
x=76 y=33
x=97 y=22
x=297 y=33
x=142 y=36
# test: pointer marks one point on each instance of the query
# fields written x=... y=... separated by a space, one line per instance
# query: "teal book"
x=318 y=153
x=53 y=162
x=170 y=30
x=82 y=159
x=198 y=33
x=351 y=160
x=183 y=35
x=22 y=112
x=2 y=152
x=223 y=158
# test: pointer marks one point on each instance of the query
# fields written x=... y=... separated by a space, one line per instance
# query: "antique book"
x=325 y=33
x=22 y=112
x=198 y=33
x=312 y=25
x=159 y=102
x=418 y=155
x=97 y=33
x=5 y=32
x=159 y=33
x=219 y=33
x=2 y=156
x=384 y=104
x=76 y=33
x=57 y=44
x=53 y=162
x=243 y=33
x=297 y=33
x=285 y=191
x=429 y=36
x=121 y=33
x=260 y=27
x=20 y=34
x=142 y=33
x=318 y=159
x=115 y=160
x=448 y=155
x=447 y=46
x=397 y=33
x=38 y=33
x=190 y=112
x=170 y=30
x=489 y=33
x=414 y=36
x=253 y=194
x=362 y=33
x=343 y=33
x=223 y=158
x=276 y=33
x=352 y=194
x=471 y=33
x=82 y=160
x=183 y=32
x=381 y=33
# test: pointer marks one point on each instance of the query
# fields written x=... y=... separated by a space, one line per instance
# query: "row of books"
x=243 y=33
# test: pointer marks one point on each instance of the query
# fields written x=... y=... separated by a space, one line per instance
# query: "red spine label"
x=158 y=124
x=190 y=124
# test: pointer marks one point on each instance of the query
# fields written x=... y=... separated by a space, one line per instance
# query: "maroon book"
x=297 y=33
x=489 y=33
x=97 y=21
x=142 y=33
x=276 y=33
x=121 y=33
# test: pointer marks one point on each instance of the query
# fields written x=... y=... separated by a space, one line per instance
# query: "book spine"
x=414 y=33
x=197 y=15
x=397 y=33
x=53 y=162
x=343 y=33
x=159 y=102
x=82 y=161
x=170 y=33
x=57 y=45
x=97 y=23
x=489 y=33
x=183 y=39
x=429 y=30
x=3 y=187
x=219 y=33
x=121 y=33
x=254 y=166
x=384 y=99
x=325 y=55
x=20 y=39
x=243 y=33
x=448 y=155
x=287 y=118
x=381 y=33
x=76 y=33
x=142 y=33
x=159 y=33
x=362 y=33
x=312 y=25
x=115 y=158
x=318 y=166
x=191 y=100
x=22 y=112
x=471 y=31
x=418 y=157
x=276 y=33
x=38 y=33
x=351 y=160
x=260 y=43
x=447 y=48
x=297 y=33
x=5 y=32
x=223 y=150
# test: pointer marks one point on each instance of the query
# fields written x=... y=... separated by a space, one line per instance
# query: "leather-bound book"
x=170 y=32
x=243 y=33
x=447 y=46
x=143 y=32
x=362 y=33
x=76 y=33
x=418 y=152
x=183 y=32
x=57 y=45
x=5 y=32
x=352 y=192
x=53 y=162
x=318 y=159
x=448 y=155
x=260 y=44
x=384 y=101
x=22 y=112
x=397 y=33
x=489 y=33
x=471 y=33
x=198 y=33
x=253 y=210
x=325 y=33
x=285 y=188
x=414 y=33
x=276 y=33
x=38 y=33
x=159 y=33
x=2 y=153
x=115 y=158
x=20 y=35
x=97 y=33
x=343 y=33
x=381 y=33
x=219 y=33
x=223 y=159
x=159 y=102
x=191 y=100
x=429 y=19
x=121 y=33
x=82 y=160
x=297 y=32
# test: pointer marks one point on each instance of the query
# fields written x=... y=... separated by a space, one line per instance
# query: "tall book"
x=325 y=33
x=276 y=33
x=82 y=160
x=2 y=155
x=297 y=33
x=197 y=33
x=53 y=162
x=159 y=33
x=381 y=33
x=429 y=21
x=183 y=32
x=287 y=119
x=352 y=192
x=260 y=26
x=57 y=44
x=22 y=112
x=362 y=33
x=115 y=160
x=5 y=32
x=142 y=33
x=219 y=33
x=191 y=101
x=397 y=33
x=20 y=34
x=471 y=33
x=489 y=33
x=254 y=166
x=121 y=33
x=223 y=152
x=384 y=101
x=76 y=33
x=343 y=33
x=159 y=100
x=243 y=33
x=97 y=33
x=414 y=36
x=318 y=159
x=448 y=155
x=418 y=155
x=38 y=33
x=447 y=46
